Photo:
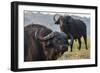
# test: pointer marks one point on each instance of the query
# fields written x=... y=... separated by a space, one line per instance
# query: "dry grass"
x=77 y=54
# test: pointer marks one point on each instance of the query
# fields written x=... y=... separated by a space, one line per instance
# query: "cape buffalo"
x=74 y=28
x=41 y=43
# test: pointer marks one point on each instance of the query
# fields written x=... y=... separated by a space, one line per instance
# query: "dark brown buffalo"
x=40 y=43
x=74 y=28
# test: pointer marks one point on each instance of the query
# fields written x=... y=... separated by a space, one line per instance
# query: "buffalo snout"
x=63 y=47
x=60 y=41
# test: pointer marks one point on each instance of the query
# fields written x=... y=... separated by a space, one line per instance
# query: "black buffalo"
x=74 y=28
x=41 y=43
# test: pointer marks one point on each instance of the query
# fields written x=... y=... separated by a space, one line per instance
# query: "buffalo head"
x=56 y=40
x=62 y=20
x=60 y=41
x=58 y=19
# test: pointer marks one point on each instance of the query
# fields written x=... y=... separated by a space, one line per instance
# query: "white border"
x=22 y=64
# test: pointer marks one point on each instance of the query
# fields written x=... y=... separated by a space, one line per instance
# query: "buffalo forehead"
x=61 y=35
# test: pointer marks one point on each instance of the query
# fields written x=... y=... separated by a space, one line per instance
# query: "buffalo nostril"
x=63 y=48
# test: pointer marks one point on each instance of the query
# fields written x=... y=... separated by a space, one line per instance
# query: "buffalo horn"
x=50 y=35
x=54 y=18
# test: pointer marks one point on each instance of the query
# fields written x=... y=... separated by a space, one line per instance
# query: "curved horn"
x=50 y=35
x=54 y=18
x=37 y=36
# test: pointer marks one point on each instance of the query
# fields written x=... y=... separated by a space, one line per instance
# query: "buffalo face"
x=56 y=40
x=60 y=42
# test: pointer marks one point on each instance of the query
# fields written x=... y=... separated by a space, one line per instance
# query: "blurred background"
x=46 y=19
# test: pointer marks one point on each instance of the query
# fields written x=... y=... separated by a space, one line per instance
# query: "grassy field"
x=77 y=54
